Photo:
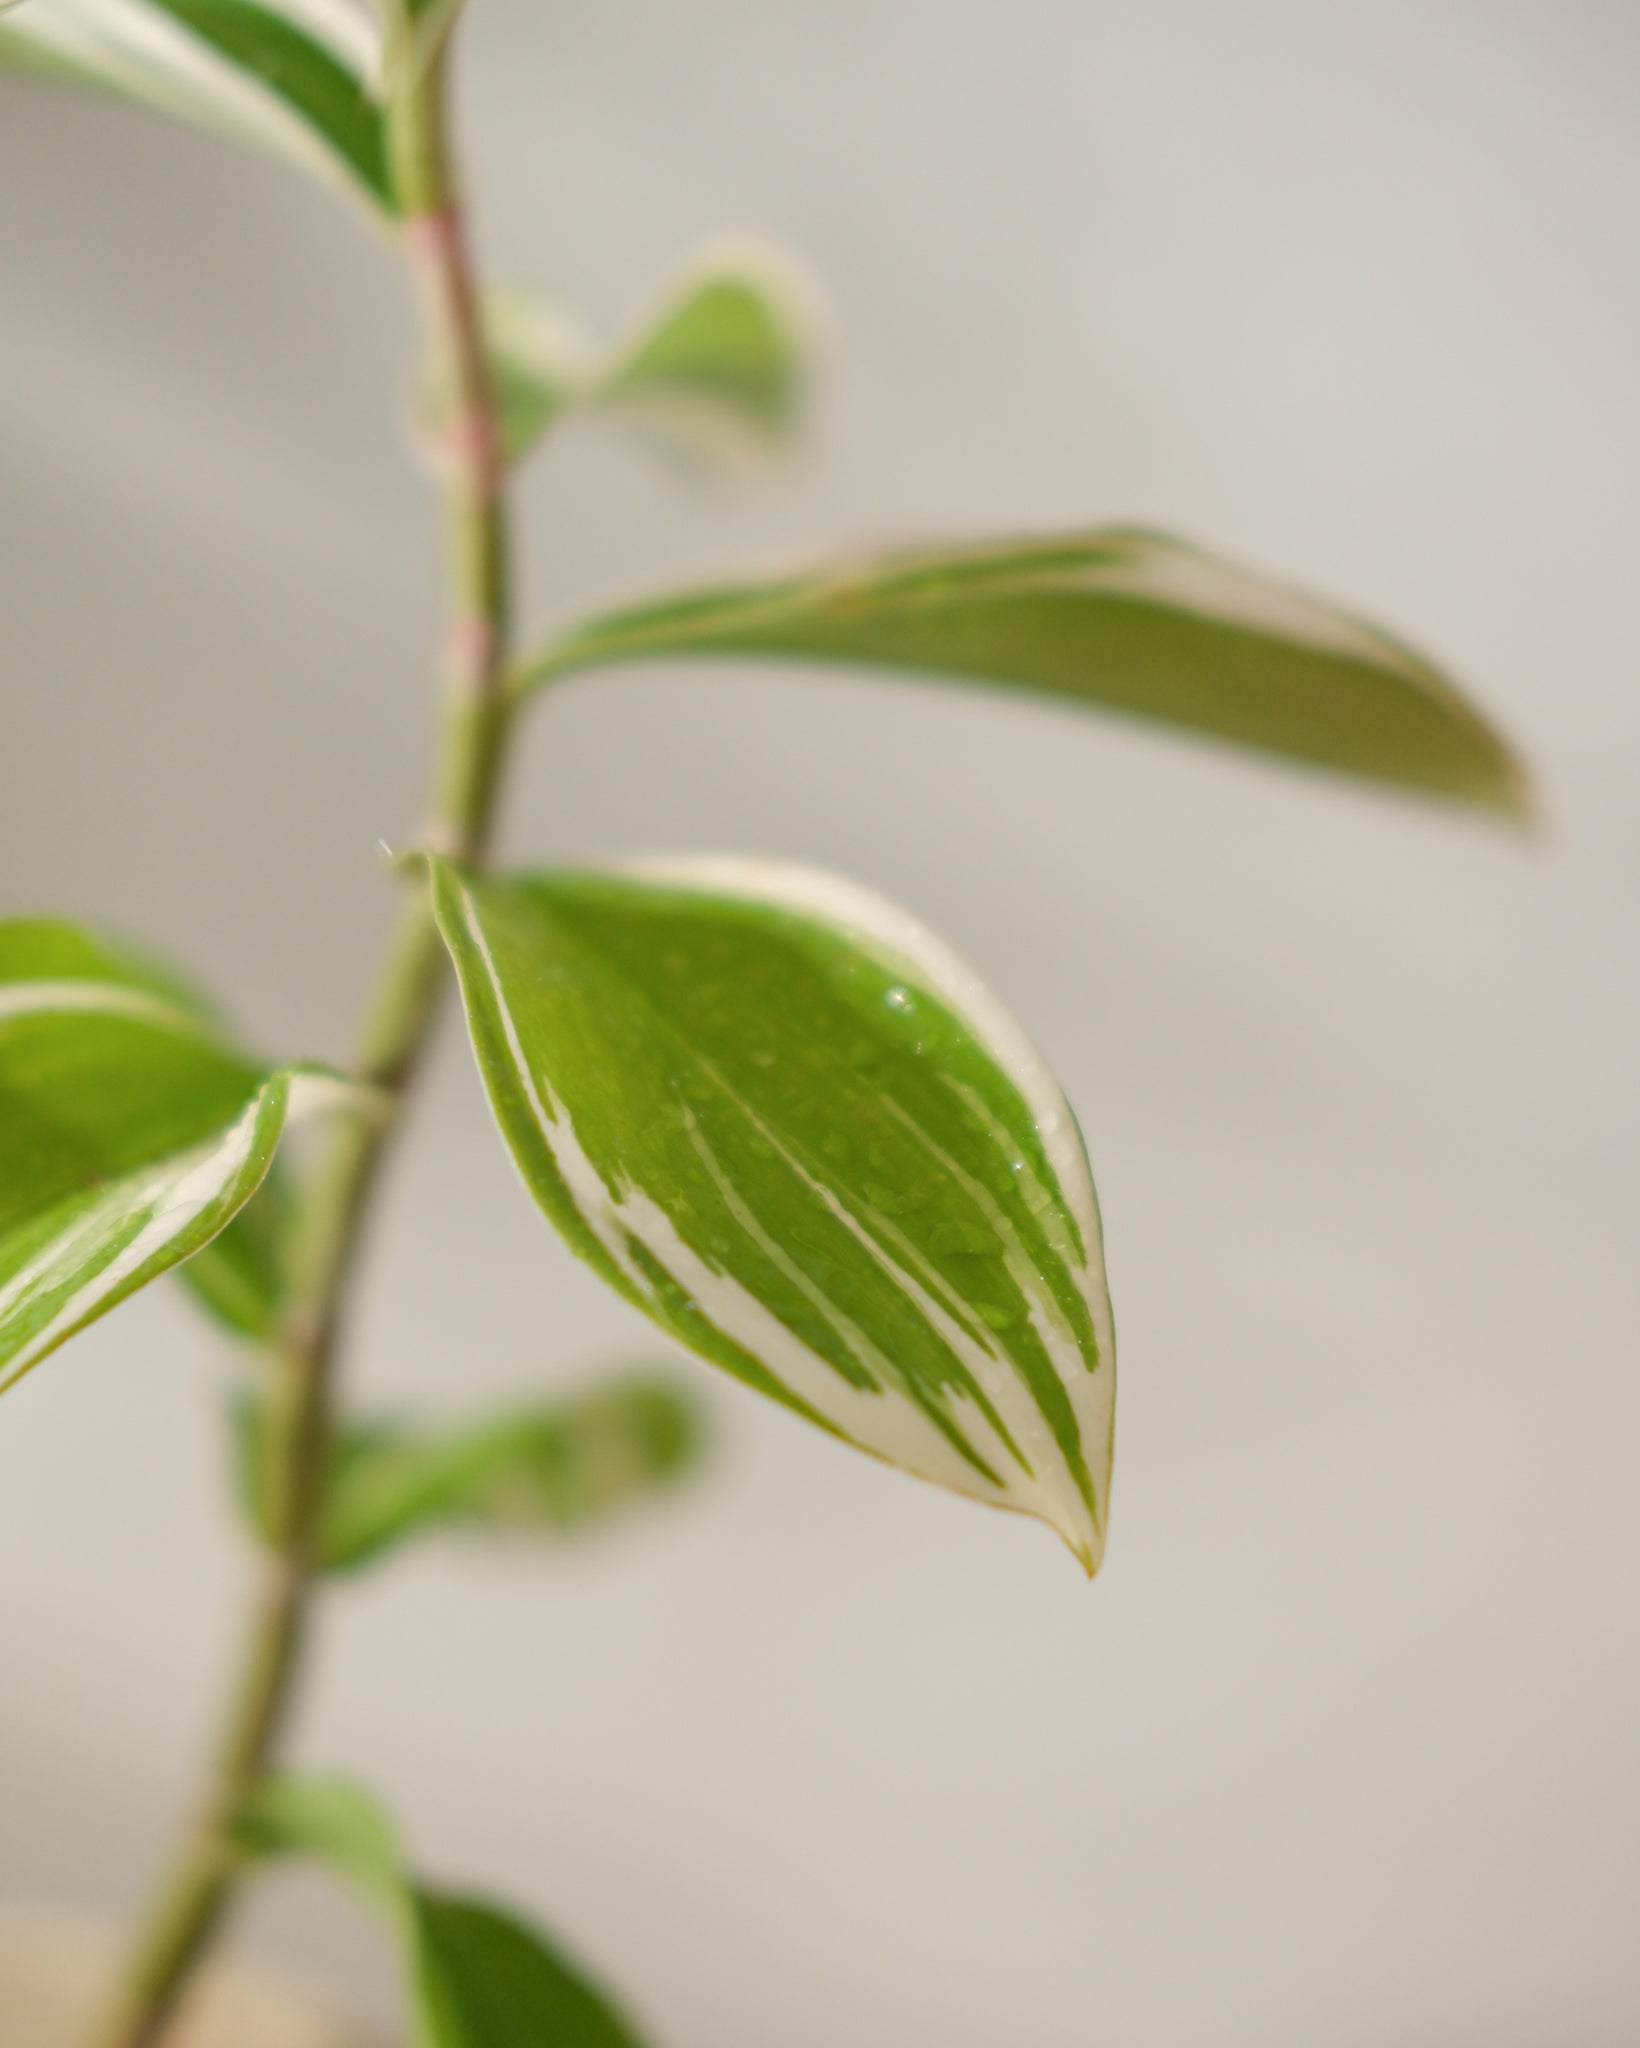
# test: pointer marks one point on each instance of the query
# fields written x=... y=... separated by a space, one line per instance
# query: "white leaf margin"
x=899 y=940
x=152 y=58
x=142 y=1225
x=882 y=1423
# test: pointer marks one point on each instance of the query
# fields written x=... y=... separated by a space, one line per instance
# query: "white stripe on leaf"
x=144 y=51
x=134 y=1130
x=107 y=998
x=132 y=1227
x=1005 y=1400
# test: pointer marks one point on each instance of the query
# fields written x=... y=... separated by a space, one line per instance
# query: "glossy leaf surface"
x=476 y=1977
x=1125 y=620
x=288 y=76
x=560 y=1468
x=716 y=377
x=784 y=1120
x=131 y=1132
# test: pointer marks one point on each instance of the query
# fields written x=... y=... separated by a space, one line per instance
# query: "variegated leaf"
x=1126 y=620
x=294 y=77
x=475 y=1977
x=238 y=1276
x=131 y=1132
x=784 y=1120
x=715 y=377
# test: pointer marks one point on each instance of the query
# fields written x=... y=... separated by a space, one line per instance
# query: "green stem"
x=197 y=1892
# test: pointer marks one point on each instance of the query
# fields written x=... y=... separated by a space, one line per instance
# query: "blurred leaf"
x=716 y=377
x=780 y=1117
x=1125 y=620
x=49 y=949
x=131 y=1132
x=488 y=1981
x=287 y=76
x=333 y=1822
x=560 y=1468
x=475 y=1977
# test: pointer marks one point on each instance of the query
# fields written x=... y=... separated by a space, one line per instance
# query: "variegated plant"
x=767 y=1107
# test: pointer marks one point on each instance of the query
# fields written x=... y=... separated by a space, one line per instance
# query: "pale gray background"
x=1341 y=1748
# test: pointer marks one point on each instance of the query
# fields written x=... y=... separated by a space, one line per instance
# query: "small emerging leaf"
x=475 y=1977
x=780 y=1117
x=288 y=76
x=1130 y=621
x=716 y=377
x=131 y=1132
x=562 y=1469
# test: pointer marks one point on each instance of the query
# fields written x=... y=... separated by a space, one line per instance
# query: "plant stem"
x=192 y=1901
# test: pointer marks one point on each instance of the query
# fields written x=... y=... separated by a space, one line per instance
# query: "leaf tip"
x=1519 y=799
x=1085 y=1543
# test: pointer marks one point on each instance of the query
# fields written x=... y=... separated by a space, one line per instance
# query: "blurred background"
x=1340 y=1746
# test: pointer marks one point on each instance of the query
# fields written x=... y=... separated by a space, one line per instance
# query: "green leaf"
x=716 y=377
x=476 y=1977
x=780 y=1117
x=487 y=1981
x=288 y=76
x=561 y=1468
x=1126 y=620
x=131 y=1132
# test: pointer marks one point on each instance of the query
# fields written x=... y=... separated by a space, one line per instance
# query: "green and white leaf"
x=559 y=1468
x=475 y=1976
x=293 y=77
x=716 y=377
x=238 y=1276
x=131 y=1132
x=1124 y=620
x=789 y=1124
